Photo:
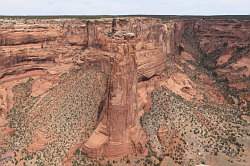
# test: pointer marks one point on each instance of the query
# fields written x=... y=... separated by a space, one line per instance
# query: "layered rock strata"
x=128 y=51
x=203 y=61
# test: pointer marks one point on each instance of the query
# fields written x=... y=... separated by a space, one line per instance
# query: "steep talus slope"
x=124 y=91
x=45 y=129
x=195 y=133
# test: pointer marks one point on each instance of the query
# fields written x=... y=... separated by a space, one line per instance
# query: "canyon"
x=131 y=90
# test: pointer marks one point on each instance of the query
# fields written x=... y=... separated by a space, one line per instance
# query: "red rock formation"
x=133 y=53
x=133 y=56
x=220 y=46
x=128 y=50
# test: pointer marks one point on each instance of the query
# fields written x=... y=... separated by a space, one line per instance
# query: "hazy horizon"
x=124 y=7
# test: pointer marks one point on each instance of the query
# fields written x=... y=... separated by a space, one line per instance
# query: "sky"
x=124 y=7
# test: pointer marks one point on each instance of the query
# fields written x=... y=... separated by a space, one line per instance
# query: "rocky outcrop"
x=135 y=53
x=226 y=53
x=128 y=51
x=222 y=48
x=203 y=61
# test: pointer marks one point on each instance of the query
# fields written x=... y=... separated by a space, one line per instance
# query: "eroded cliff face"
x=228 y=61
x=127 y=51
x=103 y=86
x=222 y=48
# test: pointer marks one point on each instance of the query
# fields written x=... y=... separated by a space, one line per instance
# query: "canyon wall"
x=222 y=48
x=126 y=50
x=135 y=55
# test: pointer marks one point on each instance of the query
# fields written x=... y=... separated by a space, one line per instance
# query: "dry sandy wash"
x=124 y=91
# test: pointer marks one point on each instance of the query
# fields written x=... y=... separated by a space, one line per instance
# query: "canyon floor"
x=125 y=91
